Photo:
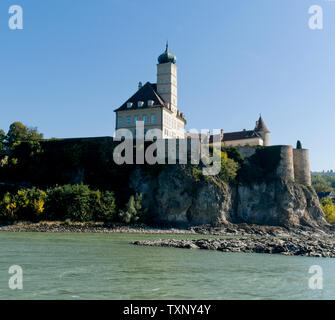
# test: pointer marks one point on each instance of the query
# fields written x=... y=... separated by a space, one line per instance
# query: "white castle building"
x=156 y=104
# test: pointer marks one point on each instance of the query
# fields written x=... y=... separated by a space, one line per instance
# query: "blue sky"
x=76 y=61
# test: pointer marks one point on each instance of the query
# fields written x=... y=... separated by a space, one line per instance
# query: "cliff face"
x=279 y=203
x=175 y=195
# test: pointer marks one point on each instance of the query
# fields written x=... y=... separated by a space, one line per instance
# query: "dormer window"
x=140 y=104
x=150 y=103
x=129 y=104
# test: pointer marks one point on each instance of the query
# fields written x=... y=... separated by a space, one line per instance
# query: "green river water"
x=106 y=266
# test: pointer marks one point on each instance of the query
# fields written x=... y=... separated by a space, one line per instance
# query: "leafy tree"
x=328 y=207
x=2 y=140
x=229 y=168
x=322 y=188
x=18 y=132
x=299 y=145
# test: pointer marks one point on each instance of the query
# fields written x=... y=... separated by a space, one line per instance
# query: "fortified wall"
x=293 y=163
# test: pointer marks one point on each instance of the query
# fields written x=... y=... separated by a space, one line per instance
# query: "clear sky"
x=76 y=61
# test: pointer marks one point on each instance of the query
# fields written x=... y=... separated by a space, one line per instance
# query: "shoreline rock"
x=291 y=246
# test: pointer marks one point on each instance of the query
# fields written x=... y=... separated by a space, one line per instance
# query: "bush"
x=134 y=211
x=73 y=202
x=328 y=207
x=229 y=169
x=26 y=204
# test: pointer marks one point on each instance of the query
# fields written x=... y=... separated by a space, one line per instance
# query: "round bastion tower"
x=302 y=173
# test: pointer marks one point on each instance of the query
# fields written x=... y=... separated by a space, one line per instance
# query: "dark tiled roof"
x=245 y=134
x=260 y=125
x=146 y=93
x=239 y=135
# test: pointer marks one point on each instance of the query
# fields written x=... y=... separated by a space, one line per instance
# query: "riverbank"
x=87 y=227
x=220 y=230
x=302 y=241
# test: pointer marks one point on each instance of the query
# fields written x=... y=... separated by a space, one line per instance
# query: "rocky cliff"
x=175 y=195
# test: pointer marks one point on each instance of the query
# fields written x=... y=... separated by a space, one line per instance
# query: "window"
x=140 y=104
x=136 y=118
x=128 y=121
x=145 y=119
x=119 y=121
x=129 y=104
x=150 y=103
x=152 y=120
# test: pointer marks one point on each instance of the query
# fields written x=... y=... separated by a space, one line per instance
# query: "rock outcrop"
x=291 y=246
x=279 y=203
x=175 y=195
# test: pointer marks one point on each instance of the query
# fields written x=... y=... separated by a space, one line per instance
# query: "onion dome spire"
x=167 y=56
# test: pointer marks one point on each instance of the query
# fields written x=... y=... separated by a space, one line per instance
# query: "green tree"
x=18 y=132
x=328 y=207
x=2 y=140
x=299 y=145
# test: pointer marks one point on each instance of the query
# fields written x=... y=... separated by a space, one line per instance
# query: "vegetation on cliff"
x=69 y=202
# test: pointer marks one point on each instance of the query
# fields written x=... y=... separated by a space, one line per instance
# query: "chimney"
x=139 y=85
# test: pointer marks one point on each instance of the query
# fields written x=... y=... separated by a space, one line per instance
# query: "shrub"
x=134 y=211
x=328 y=207
x=26 y=204
x=79 y=203
x=73 y=202
x=229 y=169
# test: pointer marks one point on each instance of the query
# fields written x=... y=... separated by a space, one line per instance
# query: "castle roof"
x=240 y=135
x=145 y=93
x=260 y=125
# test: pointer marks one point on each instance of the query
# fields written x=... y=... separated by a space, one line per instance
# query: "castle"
x=156 y=104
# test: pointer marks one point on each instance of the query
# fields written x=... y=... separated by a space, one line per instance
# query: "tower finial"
x=167 y=45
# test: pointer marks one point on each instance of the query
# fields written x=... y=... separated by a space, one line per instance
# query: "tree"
x=2 y=140
x=299 y=145
x=328 y=207
x=18 y=132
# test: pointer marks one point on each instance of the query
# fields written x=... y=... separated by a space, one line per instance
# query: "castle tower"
x=167 y=79
x=302 y=173
x=263 y=131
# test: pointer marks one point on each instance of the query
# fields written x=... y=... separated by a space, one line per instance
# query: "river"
x=106 y=266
